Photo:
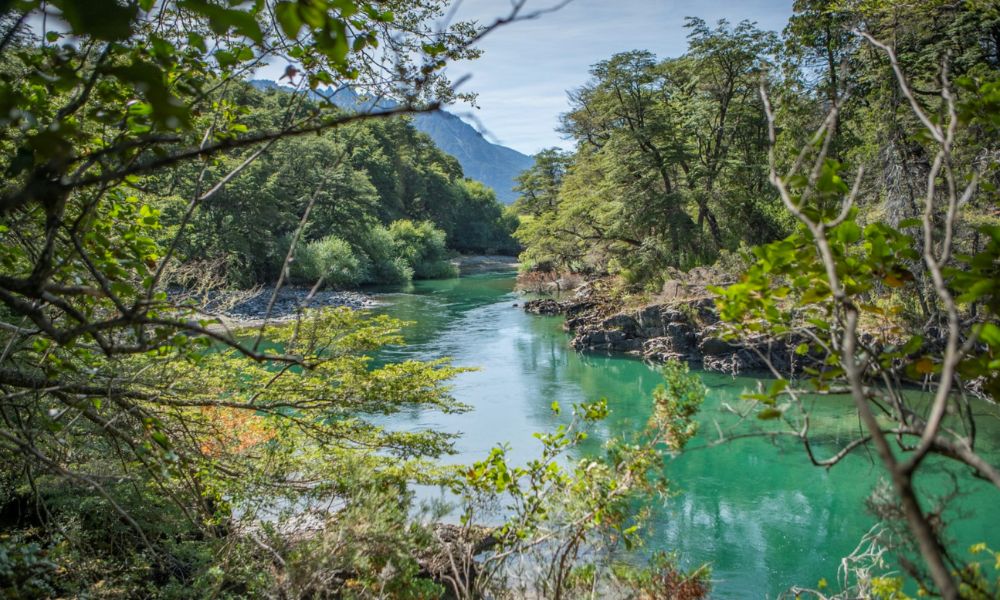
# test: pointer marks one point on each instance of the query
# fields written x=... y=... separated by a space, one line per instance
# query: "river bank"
x=475 y=264
x=238 y=309
x=685 y=327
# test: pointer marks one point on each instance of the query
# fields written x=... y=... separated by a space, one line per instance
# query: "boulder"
x=715 y=346
x=621 y=322
x=544 y=306
x=682 y=337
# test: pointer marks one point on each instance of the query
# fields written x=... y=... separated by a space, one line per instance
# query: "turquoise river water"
x=755 y=509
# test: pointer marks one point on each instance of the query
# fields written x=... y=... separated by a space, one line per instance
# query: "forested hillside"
x=671 y=160
x=494 y=165
x=360 y=179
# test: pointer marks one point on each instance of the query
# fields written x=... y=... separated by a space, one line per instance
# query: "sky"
x=528 y=66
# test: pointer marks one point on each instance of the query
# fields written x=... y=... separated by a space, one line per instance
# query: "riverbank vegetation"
x=671 y=161
x=841 y=182
x=365 y=182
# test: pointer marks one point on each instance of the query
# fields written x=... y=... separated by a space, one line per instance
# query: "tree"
x=539 y=185
x=670 y=161
x=820 y=289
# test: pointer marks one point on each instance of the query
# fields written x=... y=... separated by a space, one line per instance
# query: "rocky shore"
x=291 y=299
x=485 y=263
x=680 y=329
x=247 y=308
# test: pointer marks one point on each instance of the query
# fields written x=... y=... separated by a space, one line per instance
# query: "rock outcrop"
x=686 y=330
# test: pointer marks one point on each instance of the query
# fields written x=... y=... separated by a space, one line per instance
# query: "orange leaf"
x=892 y=281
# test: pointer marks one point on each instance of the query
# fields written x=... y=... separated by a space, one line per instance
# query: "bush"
x=381 y=263
x=384 y=255
x=329 y=258
x=423 y=247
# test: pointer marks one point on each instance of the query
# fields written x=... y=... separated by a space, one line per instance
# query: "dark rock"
x=707 y=313
x=714 y=346
x=578 y=308
x=672 y=315
x=621 y=322
x=682 y=337
x=679 y=330
x=662 y=349
x=544 y=306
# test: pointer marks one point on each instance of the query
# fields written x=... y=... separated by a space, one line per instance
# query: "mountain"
x=492 y=164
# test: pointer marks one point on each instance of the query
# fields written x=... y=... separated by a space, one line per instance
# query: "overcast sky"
x=527 y=66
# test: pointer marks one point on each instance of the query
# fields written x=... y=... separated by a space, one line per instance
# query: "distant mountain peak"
x=494 y=165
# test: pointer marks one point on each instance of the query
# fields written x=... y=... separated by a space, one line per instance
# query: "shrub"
x=329 y=258
x=381 y=263
x=423 y=247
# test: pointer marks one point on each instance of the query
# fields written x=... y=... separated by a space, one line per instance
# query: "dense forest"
x=671 y=167
x=838 y=179
x=388 y=204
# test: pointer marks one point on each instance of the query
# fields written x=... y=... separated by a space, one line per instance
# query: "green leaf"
x=816 y=293
x=848 y=232
x=225 y=58
x=990 y=334
x=103 y=19
x=769 y=414
x=288 y=19
x=912 y=345
x=196 y=40
x=160 y=438
x=222 y=20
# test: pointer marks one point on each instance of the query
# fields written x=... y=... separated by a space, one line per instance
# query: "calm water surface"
x=757 y=511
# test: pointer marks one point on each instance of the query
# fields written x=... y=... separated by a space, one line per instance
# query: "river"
x=755 y=509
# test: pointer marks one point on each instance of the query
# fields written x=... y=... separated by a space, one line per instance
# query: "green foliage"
x=423 y=248
x=149 y=451
x=566 y=512
x=669 y=167
x=329 y=259
x=874 y=303
x=661 y=577
x=675 y=403
x=25 y=572
x=357 y=177
x=383 y=264
x=373 y=544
